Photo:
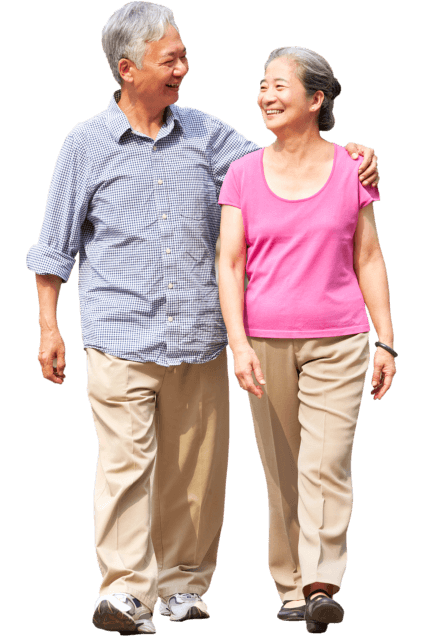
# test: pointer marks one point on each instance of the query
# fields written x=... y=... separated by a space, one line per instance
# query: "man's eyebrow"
x=276 y=79
x=172 y=53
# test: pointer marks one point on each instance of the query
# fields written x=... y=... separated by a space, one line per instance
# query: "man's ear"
x=124 y=70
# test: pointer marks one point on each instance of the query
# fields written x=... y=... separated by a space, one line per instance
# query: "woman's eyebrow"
x=276 y=79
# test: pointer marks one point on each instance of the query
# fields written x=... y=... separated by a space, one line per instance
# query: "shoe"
x=121 y=612
x=291 y=613
x=322 y=610
x=182 y=607
x=298 y=614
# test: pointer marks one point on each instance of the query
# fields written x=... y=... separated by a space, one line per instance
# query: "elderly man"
x=135 y=193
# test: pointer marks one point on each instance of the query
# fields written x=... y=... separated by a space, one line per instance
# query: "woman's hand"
x=368 y=171
x=384 y=370
x=246 y=361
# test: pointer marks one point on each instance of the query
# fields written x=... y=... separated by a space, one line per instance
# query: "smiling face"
x=164 y=67
x=283 y=100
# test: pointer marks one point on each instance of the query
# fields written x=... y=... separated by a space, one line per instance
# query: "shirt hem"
x=171 y=361
x=314 y=333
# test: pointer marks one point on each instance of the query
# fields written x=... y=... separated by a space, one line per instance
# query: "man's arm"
x=368 y=171
x=51 y=343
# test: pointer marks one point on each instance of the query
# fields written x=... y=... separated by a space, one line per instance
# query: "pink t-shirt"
x=300 y=253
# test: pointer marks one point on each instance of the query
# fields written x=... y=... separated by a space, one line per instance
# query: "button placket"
x=168 y=251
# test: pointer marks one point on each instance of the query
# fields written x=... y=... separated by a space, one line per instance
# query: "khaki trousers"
x=304 y=425
x=159 y=494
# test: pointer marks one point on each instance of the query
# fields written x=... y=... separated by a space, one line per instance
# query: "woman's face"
x=282 y=98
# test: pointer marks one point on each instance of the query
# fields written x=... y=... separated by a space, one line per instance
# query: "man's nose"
x=181 y=68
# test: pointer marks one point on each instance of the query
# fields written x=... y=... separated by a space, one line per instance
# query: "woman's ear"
x=317 y=100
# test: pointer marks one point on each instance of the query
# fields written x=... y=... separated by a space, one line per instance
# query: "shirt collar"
x=118 y=122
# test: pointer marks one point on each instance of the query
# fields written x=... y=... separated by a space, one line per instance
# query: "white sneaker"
x=181 y=607
x=121 y=612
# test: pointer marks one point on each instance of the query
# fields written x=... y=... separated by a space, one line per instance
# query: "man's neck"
x=142 y=117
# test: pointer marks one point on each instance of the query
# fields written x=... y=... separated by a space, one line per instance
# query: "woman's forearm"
x=372 y=278
x=231 y=296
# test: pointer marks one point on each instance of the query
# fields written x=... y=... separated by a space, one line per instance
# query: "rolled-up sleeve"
x=66 y=209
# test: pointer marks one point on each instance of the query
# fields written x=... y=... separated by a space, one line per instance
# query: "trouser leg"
x=277 y=430
x=330 y=389
x=190 y=474
x=332 y=373
x=122 y=395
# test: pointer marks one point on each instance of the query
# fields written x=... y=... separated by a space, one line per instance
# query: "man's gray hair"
x=316 y=74
x=126 y=32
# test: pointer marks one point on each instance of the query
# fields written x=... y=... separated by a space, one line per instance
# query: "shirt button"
x=170 y=318
x=164 y=216
x=170 y=285
x=160 y=181
x=154 y=148
x=168 y=251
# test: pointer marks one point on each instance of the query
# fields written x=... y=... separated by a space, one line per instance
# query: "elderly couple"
x=135 y=192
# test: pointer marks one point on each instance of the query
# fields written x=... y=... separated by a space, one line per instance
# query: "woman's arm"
x=232 y=265
x=372 y=277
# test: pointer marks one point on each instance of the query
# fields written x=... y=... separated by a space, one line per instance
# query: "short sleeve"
x=230 y=191
x=367 y=194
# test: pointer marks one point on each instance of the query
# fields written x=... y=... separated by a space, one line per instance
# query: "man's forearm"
x=48 y=286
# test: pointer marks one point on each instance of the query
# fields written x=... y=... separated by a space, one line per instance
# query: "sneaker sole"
x=109 y=618
x=193 y=612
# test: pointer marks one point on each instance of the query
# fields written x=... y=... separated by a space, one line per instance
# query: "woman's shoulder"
x=248 y=160
x=346 y=161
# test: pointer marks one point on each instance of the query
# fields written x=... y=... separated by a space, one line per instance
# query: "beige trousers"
x=160 y=485
x=304 y=425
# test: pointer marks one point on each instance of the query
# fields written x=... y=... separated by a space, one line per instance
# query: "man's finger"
x=371 y=173
x=367 y=154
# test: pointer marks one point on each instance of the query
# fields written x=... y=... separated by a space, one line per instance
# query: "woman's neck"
x=295 y=146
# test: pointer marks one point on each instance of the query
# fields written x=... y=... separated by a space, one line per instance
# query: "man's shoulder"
x=92 y=124
x=86 y=131
x=247 y=161
x=195 y=117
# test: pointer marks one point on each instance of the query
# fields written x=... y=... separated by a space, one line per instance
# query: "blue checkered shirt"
x=144 y=216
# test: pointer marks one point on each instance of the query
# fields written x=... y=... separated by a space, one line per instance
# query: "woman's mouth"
x=274 y=112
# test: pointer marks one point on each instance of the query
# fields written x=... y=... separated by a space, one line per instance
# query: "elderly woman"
x=306 y=223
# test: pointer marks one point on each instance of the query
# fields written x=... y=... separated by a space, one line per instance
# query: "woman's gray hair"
x=316 y=74
x=126 y=32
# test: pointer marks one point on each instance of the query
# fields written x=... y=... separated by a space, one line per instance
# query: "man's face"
x=164 y=67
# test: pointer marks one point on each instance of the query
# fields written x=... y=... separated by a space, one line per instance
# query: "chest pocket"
x=195 y=192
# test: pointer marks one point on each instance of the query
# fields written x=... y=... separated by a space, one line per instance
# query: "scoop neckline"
x=307 y=198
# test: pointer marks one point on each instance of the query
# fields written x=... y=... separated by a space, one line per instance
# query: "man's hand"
x=52 y=347
x=368 y=172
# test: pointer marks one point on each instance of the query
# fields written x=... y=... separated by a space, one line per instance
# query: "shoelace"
x=180 y=598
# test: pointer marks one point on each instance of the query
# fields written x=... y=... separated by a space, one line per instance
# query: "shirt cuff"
x=43 y=259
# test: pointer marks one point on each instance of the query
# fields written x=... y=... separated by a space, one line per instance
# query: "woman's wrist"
x=386 y=339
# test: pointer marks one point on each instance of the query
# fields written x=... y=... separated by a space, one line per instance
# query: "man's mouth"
x=173 y=85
